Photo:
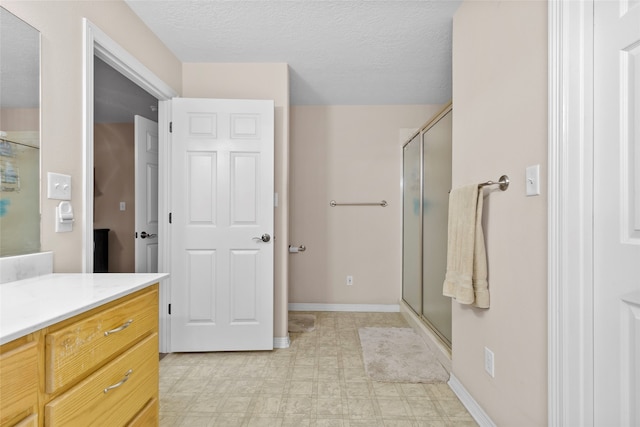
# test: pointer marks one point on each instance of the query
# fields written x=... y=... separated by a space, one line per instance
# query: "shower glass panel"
x=436 y=141
x=412 y=225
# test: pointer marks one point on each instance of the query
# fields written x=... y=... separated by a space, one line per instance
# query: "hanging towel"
x=466 y=277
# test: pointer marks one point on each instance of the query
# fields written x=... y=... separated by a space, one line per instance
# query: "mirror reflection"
x=19 y=136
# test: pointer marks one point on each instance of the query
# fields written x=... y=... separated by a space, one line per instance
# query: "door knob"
x=265 y=238
x=144 y=235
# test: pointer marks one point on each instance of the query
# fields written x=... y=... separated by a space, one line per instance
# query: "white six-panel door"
x=146 y=175
x=222 y=189
x=616 y=308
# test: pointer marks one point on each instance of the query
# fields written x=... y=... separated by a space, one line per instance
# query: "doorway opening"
x=117 y=102
x=98 y=44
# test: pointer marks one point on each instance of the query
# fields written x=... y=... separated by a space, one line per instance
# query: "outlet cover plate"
x=533 y=180
x=488 y=362
x=58 y=186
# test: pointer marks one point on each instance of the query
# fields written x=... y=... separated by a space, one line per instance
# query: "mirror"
x=19 y=136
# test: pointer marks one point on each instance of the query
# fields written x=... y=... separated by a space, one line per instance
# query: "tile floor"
x=319 y=380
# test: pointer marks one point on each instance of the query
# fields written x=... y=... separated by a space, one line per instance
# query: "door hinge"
x=170 y=219
x=170 y=127
x=169 y=308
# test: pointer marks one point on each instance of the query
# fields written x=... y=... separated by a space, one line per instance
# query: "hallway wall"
x=115 y=183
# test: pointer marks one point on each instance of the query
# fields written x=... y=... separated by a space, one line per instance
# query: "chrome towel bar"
x=333 y=204
x=503 y=182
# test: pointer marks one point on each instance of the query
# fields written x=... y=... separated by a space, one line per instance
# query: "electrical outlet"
x=488 y=362
x=349 y=280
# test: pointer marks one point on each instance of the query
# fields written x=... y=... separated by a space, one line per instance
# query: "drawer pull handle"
x=124 y=326
x=119 y=383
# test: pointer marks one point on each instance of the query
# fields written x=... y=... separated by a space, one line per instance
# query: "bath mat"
x=399 y=355
x=299 y=322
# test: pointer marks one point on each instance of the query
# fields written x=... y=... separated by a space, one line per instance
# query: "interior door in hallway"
x=617 y=213
x=146 y=195
x=222 y=202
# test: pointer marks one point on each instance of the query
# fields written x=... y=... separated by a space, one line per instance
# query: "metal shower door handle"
x=265 y=238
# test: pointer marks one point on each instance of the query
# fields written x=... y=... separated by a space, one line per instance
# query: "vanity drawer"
x=87 y=404
x=78 y=348
x=147 y=417
x=18 y=383
x=30 y=421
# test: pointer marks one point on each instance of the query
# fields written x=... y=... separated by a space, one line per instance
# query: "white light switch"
x=58 y=186
x=123 y=206
x=533 y=180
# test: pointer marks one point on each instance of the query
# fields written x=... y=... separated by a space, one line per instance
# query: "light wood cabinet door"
x=79 y=348
x=114 y=394
x=18 y=383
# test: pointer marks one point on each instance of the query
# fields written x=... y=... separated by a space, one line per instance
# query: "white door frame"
x=570 y=223
x=97 y=43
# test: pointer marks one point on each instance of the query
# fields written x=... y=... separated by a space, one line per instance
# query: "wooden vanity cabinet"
x=19 y=382
x=99 y=368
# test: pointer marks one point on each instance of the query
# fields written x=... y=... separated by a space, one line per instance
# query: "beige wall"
x=60 y=24
x=114 y=154
x=500 y=127
x=257 y=81
x=19 y=119
x=350 y=154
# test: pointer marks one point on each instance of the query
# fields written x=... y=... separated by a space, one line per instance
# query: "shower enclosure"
x=426 y=183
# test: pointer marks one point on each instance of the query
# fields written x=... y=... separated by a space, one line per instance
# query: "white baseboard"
x=281 y=342
x=469 y=402
x=372 y=308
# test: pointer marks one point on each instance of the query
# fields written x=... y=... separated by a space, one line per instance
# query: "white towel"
x=466 y=277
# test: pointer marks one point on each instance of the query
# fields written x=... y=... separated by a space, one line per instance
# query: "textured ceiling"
x=339 y=52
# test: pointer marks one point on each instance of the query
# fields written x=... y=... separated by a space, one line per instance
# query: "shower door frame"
x=448 y=108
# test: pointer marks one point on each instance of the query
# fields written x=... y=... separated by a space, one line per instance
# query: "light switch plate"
x=58 y=186
x=533 y=180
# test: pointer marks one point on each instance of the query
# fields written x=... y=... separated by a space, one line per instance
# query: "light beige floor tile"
x=300 y=405
x=319 y=380
x=423 y=408
x=235 y=404
x=328 y=422
x=298 y=387
x=386 y=389
x=358 y=389
x=267 y=405
x=229 y=420
x=452 y=408
x=394 y=407
x=414 y=390
x=170 y=420
x=329 y=389
x=296 y=420
x=329 y=406
x=207 y=403
x=264 y=422
x=199 y=421
x=361 y=408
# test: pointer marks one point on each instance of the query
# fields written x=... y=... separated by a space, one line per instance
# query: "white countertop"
x=32 y=304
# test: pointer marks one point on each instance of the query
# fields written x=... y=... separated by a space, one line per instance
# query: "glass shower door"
x=436 y=141
x=412 y=225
